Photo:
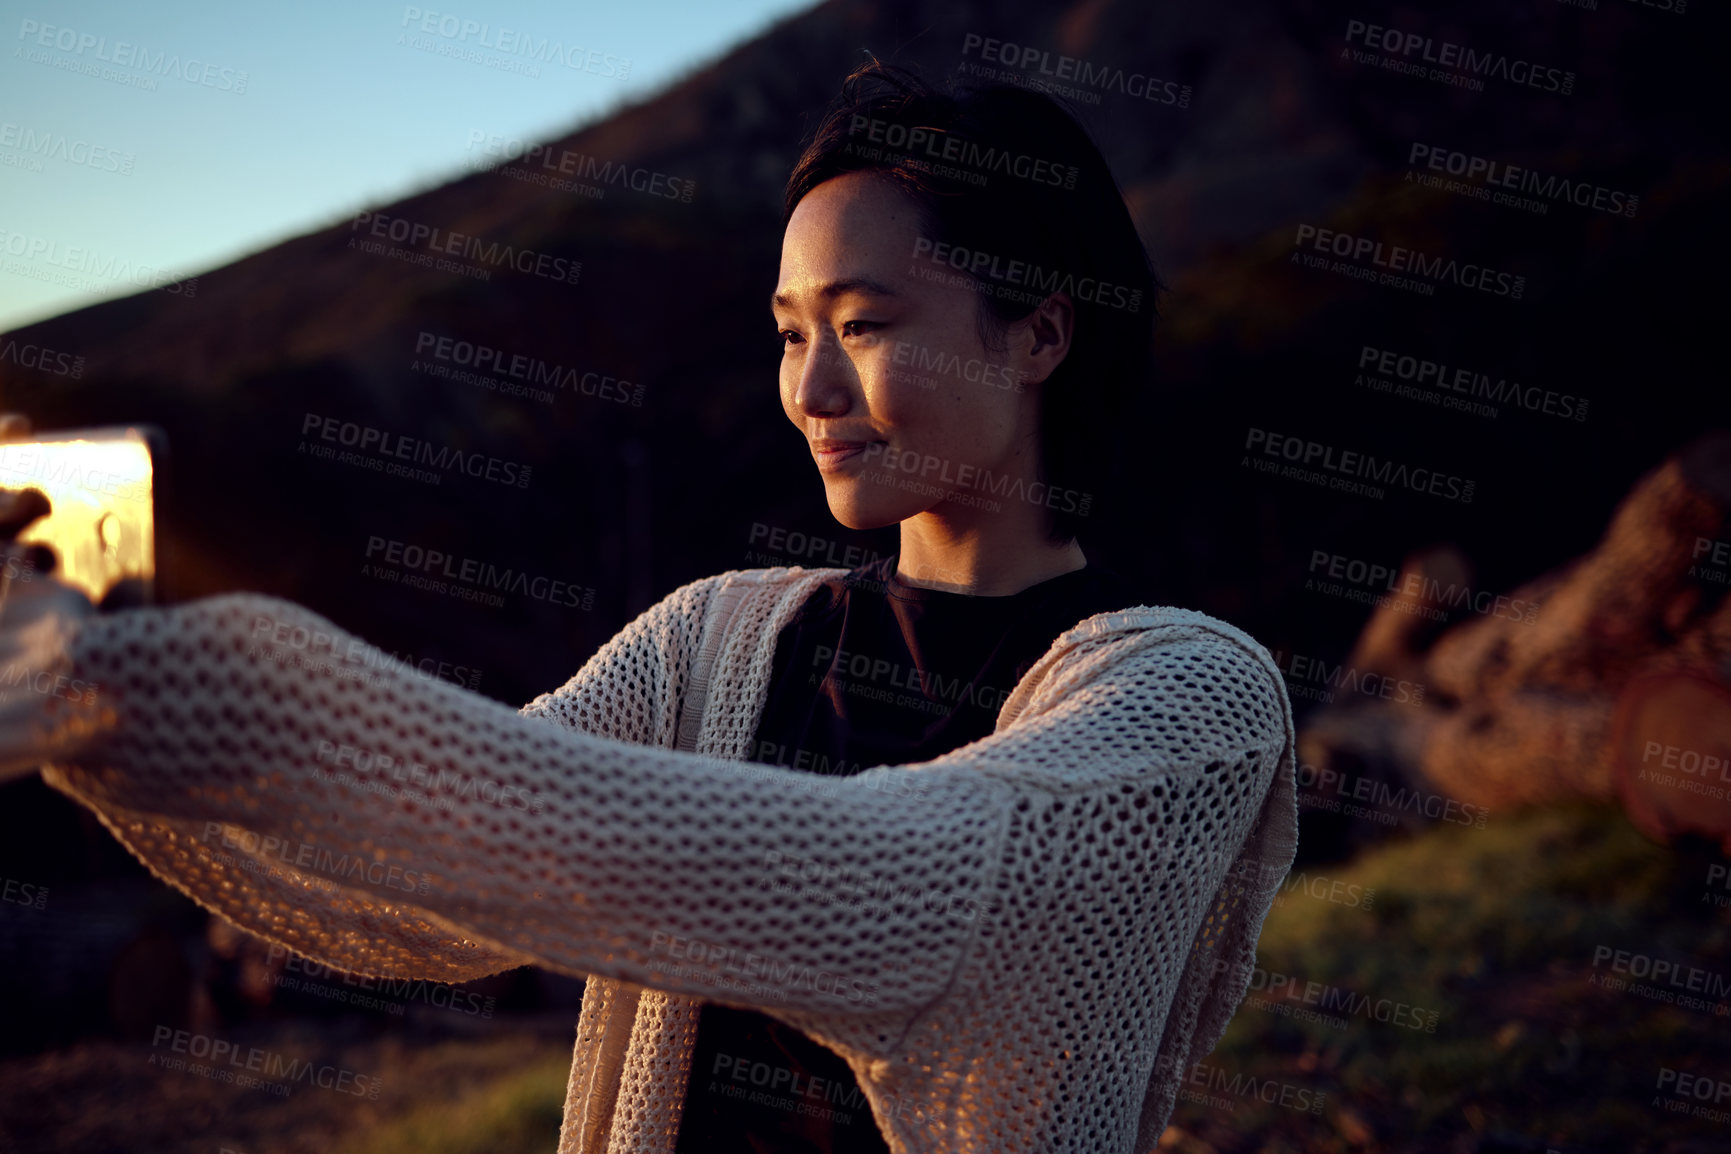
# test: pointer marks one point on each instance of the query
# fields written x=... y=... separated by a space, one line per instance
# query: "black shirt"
x=870 y=671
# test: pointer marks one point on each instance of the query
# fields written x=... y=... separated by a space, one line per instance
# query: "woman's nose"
x=827 y=380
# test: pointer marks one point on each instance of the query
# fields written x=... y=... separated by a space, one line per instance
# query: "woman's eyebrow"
x=835 y=288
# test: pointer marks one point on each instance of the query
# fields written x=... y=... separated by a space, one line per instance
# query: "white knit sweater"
x=1022 y=945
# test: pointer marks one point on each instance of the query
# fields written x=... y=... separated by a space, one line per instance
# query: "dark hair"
x=1001 y=175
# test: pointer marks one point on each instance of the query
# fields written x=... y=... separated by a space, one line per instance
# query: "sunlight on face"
x=883 y=369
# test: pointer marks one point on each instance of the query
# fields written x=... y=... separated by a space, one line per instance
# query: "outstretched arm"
x=530 y=842
x=358 y=912
x=533 y=843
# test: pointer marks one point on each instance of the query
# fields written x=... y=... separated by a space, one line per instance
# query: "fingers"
x=24 y=561
x=35 y=615
x=28 y=599
x=126 y=593
x=19 y=507
x=44 y=711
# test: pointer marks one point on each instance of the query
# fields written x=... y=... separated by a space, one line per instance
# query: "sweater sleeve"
x=452 y=835
x=350 y=910
x=632 y=687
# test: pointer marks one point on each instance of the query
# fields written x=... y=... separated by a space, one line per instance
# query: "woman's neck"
x=993 y=559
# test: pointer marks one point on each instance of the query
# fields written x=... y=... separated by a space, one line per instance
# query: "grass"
x=512 y=1113
x=1496 y=930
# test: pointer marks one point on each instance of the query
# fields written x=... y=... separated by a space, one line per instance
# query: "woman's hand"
x=45 y=712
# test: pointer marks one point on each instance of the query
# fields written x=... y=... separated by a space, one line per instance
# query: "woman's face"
x=884 y=371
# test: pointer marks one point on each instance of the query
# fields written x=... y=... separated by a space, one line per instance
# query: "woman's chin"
x=845 y=507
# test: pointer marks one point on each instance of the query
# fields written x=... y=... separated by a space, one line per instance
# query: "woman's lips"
x=835 y=454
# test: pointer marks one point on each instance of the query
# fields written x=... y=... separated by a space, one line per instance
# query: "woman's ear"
x=1046 y=342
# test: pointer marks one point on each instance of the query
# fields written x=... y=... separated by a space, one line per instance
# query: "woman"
x=1029 y=900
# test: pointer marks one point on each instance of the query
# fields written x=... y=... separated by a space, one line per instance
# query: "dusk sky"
x=141 y=144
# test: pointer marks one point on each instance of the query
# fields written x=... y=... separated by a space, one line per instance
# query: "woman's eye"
x=857 y=328
x=787 y=337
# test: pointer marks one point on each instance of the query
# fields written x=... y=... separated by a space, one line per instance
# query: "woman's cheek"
x=896 y=395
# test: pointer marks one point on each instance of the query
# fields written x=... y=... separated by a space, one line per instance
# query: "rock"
x=1575 y=684
x=1671 y=753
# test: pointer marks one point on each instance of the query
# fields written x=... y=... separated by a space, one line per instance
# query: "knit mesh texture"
x=1025 y=954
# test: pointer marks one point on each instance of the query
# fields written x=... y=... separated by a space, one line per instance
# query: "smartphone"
x=102 y=486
